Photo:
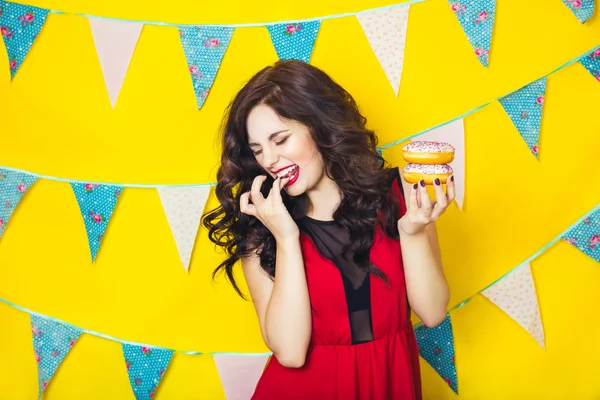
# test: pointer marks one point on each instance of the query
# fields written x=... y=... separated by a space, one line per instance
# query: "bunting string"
x=396 y=142
x=193 y=352
x=252 y=24
x=525 y=262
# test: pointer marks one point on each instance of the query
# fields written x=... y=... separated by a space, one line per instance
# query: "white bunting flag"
x=515 y=295
x=239 y=374
x=386 y=32
x=183 y=207
x=115 y=42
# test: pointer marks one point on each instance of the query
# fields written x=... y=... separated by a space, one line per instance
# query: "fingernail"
x=437 y=181
x=422 y=183
x=415 y=186
x=452 y=178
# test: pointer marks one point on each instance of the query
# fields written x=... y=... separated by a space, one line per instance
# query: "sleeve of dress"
x=398 y=190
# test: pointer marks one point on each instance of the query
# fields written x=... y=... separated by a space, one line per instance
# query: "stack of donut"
x=427 y=161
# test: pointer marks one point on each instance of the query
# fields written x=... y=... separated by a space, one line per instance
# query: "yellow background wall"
x=57 y=120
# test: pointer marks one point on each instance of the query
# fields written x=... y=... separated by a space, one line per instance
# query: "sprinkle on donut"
x=425 y=146
x=428 y=168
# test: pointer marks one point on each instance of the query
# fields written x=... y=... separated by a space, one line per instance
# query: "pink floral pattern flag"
x=591 y=63
x=585 y=235
x=582 y=9
x=294 y=40
x=146 y=367
x=52 y=341
x=476 y=17
x=13 y=187
x=20 y=25
x=515 y=295
x=96 y=203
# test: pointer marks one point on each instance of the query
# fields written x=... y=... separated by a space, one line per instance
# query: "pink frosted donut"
x=414 y=173
x=426 y=152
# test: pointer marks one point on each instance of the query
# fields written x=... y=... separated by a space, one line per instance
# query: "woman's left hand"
x=421 y=210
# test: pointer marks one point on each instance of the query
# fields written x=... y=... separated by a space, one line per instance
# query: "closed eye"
x=282 y=141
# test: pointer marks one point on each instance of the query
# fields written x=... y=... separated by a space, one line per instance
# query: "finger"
x=440 y=196
x=275 y=191
x=255 y=194
x=413 y=203
x=426 y=206
x=450 y=189
x=245 y=206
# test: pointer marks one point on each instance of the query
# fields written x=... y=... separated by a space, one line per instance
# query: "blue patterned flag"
x=591 y=62
x=19 y=26
x=96 y=203
x=586 y=235
x=476 y=17
x=583 y=9
x=436 y=346
x=524 y=107
x=145 y=368
x=13 y=186
x=204 y=48
x=51 y=343
x=294 y=40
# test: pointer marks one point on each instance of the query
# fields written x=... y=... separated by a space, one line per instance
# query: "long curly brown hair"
x=301 y=92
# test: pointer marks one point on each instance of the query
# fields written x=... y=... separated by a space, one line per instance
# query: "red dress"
x=384 y=368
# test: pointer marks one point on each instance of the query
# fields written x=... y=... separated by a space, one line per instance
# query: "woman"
x=333 y=256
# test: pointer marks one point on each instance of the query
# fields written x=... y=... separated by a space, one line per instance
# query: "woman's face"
x=284 y=148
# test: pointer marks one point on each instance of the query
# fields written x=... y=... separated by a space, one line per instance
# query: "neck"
x=323 y=199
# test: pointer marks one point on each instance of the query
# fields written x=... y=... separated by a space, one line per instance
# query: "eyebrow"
x=271 y=136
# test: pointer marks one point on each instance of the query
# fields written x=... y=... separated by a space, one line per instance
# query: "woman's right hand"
x=270 y=211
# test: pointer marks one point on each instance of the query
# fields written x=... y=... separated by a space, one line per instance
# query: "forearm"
x=427 y=289
x=288 y=319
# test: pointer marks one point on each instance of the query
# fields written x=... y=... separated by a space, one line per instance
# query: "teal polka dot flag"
x=51 y=343
x=524 y=107
x=145 y=368
x=13 y=186
x=476 y=17
x=20 y=25
x=96 y=203
x=436 y=346
x=583 y=9
x=591 y=62
x=204 y=48
x=294 y=40
x=586 y=235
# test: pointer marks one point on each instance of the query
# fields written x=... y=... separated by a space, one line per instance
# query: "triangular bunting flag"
x=183 y=208
x=19 y=26
x=294 y=40
x=96 y=203
x=204 y=48
x=453 y=133
x=115 y=42
x=51 y=343
x=436 y=346
x=586 y=235
x=524 y=107
x=13 y=186
x=145 y=368
x=476 y=18
x=591 y=62
x=583 y=9
x=515 y=295
x=386 y=32
x=239 y=374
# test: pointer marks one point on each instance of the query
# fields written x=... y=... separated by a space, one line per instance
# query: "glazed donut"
x=413 y=173
x=425 y=152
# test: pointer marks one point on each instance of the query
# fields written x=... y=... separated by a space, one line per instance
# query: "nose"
x=270 y=157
